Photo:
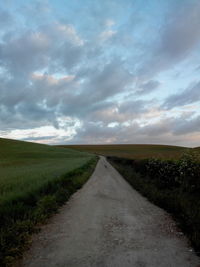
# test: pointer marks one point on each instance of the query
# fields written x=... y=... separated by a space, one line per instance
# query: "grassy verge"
x=164 y=187
x=20 y=218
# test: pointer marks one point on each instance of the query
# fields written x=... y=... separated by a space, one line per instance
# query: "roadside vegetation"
x=171 y=184
x=34 y=181
x=131 y=151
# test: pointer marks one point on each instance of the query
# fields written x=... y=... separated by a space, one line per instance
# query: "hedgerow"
x=183 y=173
x=172 y=185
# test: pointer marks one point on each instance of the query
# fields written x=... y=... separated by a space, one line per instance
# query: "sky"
x=100 y=71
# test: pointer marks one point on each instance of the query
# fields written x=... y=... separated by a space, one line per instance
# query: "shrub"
x=172 y=185
x=189 y=172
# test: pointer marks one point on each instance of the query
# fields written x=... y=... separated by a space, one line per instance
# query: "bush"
x=189 y=172
x=172 y=185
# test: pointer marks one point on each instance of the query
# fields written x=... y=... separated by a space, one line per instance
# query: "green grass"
x=132 y=151
x=26 y=167
x=35 y=180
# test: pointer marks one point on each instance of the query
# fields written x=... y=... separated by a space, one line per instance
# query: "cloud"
x=133 y=107
x=179 y=36
x=113 y=79
x=25 y=53
x=33 y=103
x=43 y=98
x=6 y=19
x=170 y=130
x=182 y=32
x=188 y=96
x=99 y=71
x=187 y=126
x=148 y=87
x=119 y=113
x=56 y=46
x=107 y=34
x=94 y=93
x=109 y=23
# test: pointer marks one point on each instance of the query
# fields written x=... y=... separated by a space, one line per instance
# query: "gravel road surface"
x=109 y=224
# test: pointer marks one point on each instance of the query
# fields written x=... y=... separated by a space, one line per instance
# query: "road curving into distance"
x=109 y=224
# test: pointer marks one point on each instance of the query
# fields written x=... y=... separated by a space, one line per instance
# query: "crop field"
x=25 y=167
x=133 y=151
x=34 y=180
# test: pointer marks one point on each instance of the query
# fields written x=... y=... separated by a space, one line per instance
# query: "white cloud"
x=109 y=23
x=107 y=34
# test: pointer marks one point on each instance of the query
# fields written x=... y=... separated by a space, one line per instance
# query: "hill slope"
x=26 y=166
x=133 y=151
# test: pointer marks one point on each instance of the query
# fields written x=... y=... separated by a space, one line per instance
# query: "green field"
x=35 y=180
x=133 y=151
x=26 y=167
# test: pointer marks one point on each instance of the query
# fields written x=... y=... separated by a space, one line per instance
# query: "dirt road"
x=107 y=223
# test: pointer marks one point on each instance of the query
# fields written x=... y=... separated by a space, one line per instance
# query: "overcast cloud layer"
x=100 y=71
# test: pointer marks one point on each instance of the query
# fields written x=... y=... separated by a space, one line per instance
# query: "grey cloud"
x=101 y=84
x=69 y=55
x=35 y=111
x=56 y=46
x=156 y=129
x=133 y=107
x=5 y=19
x=188 y=96
x=148 y=87
x=166 y=131
x=176 y=126
x=114 y=112
x=26 y=117
x=43 y=98
x=10 y=120
x=93 y=132
x=182 y=33
x=113 y=79
x=25 y=53
x=187 y=126
x=22 y=106
x=179 y=36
